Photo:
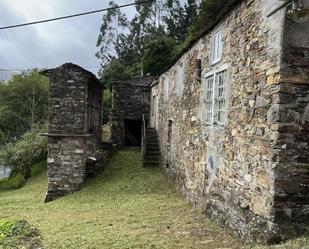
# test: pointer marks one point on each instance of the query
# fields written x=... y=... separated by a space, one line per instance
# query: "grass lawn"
x=126 y=206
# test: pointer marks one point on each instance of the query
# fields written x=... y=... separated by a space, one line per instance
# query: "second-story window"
x=216 y=49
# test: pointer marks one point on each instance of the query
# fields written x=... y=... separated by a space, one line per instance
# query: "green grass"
x=125 y=207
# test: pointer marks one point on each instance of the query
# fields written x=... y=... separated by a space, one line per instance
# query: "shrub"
x=15 y=181
x=20 y=155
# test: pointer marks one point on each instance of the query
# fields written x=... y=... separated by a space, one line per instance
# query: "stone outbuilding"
x=232 y=116
x=130 y=100
x=75 y=126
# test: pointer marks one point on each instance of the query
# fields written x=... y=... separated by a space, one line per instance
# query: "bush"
x=15 y=181
x=39 y=167
x=20 y=155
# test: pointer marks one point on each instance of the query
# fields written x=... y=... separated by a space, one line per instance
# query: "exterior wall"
x=66 y=165
x=236 y=171
x=130 y=100
x=70 y=142
x=290 y=113
x=68 y=95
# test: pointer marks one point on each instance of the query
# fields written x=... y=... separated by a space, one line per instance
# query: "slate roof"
x=72 y=66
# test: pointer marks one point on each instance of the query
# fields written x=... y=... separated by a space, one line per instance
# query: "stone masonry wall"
x=130 y=100
x=235 y=170
x=66 y=165
x=289 y=115
x=70 y=141
x=67 y=95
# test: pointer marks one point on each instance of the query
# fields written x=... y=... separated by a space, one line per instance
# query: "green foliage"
x=23 y=103
x=21 y=154
x=107 y=105
x=209 y=10
x=159 y=54
x=125 y=46
x=19 y=235
x=15 y=181
x=38 y=168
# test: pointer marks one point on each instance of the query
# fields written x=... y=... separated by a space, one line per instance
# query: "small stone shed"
x=74 y=132
x=130 y=100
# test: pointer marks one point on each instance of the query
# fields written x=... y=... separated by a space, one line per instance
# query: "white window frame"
x=215 y=100
x=216 y=46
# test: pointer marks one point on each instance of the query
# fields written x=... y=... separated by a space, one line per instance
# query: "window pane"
x=209 y=99
x=220 y=84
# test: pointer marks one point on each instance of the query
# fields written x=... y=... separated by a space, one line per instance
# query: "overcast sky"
x=50 y=44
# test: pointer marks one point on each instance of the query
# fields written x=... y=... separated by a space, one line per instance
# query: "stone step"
x=151 y=132
x=151 y=163
x=153 y=153
x=148 y=158
x=148 y=144
x=152 y=149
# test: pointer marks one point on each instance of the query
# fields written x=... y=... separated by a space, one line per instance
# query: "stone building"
x=74 y=132
x=232 y=116
x=130 y=100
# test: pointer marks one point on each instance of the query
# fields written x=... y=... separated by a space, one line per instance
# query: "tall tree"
x=23 y=103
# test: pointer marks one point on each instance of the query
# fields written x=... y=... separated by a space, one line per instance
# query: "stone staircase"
x=152 y=150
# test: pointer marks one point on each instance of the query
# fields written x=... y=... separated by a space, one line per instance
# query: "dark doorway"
x=132 y=132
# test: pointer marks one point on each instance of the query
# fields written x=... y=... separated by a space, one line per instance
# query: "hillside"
x=126 y=206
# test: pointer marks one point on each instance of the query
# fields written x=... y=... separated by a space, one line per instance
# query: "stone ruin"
x=75 y=127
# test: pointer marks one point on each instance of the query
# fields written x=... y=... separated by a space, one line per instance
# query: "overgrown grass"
x=127 y=206
x=18 y=235
x=16 y=180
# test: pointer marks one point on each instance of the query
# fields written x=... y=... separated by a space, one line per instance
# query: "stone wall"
x=130 y=100
x=237 y=170
x=289 y=115
x=74 y=132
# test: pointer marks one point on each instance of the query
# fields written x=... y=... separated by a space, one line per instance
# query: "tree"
x=208 y=12
x=20 y=154
x=162 y=23
x=113 y=23
x=159 y=54
x=23 y=103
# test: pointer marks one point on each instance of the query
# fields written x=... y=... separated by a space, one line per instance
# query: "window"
x=169 y=132
x=220 y=82
x=153 y=106
x=215 y=98
x=209 y=99
x=216 y=50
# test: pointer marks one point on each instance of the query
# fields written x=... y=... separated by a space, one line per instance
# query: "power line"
x=30 y=68
x=71 y=16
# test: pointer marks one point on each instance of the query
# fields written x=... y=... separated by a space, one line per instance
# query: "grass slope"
x=126 y=206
